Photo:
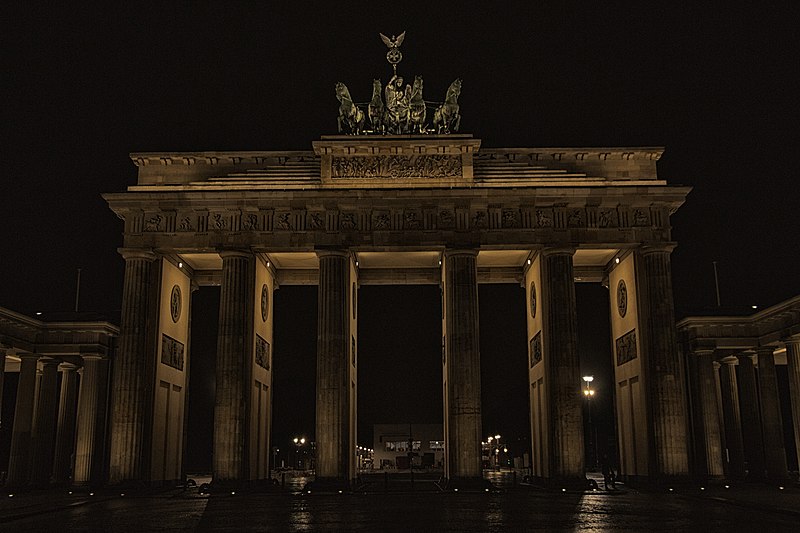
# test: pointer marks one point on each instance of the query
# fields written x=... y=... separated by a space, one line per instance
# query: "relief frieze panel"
x=397 y=167
x=626 y=348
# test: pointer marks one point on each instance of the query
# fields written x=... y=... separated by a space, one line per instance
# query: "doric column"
x=732 y=419
x=710 y=412
x=560 y=331
x=751 y=420
x=333 y=383
x=86 y=453
x=793 y=365
x=774 y=451
x=665 y=384
x=19 y=460
x=463 y=365
x=65 y=432
x=44 y=427
x=133 y=367
x=2 y=374
x=234 y=352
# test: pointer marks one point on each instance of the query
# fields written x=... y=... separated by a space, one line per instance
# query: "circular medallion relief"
x=622 y=298
x=264 y=302
x=533 y=300
x=175 y=303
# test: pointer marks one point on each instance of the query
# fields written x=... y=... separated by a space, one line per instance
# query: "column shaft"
x=664 y=373
x=463 y=365
x=751 y=420
x=774 y=450
x=86 y=453
x=563 y=381
x=333 y=383
x=706 y=388
x=65 y=433
x=44 y=429
x=19 y=460
x=793 y=365
x=133 y=367
x=732 y=420
x=234 y=353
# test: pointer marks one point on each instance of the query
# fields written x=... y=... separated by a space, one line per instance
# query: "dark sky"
x=716 y=85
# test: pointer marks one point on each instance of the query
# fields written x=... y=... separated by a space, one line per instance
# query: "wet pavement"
x=514 y=508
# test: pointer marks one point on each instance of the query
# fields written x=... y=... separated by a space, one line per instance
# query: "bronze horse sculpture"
x=446 y=117
x=376 y=109
x=349 y=113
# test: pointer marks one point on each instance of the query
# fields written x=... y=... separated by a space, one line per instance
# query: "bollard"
x=283 y=479
x=386 y=481
x=412 y=480
x=514 y=479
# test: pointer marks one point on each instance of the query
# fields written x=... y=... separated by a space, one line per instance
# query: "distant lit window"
x=436 y=445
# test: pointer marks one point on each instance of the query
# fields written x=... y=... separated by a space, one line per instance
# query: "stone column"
x=774 y=450
x=793 y=365
x=132 y=381
x=44 y=428
x=664 y=373
x=563 y=376
x=86 y=453
x=65 y=433
x=751 y=420
x=234 y=352
x=333 y=384
x=709 y=412
x=19 y=460
x=2 y=374
x=463 y=365
x=732 y=419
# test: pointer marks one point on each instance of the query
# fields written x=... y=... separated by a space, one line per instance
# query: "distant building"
x=398 y=445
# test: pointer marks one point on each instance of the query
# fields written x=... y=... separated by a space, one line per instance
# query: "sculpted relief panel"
x=397 y=167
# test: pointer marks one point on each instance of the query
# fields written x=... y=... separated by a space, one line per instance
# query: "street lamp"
x=298 y=443
x=588 y=393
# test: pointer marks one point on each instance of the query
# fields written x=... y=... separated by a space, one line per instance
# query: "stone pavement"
x=514 y=508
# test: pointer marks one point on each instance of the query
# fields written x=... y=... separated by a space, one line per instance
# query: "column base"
x=329 y=486
x=465 y=484
x=575 y=484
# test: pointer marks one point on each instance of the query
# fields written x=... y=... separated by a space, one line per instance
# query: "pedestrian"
x=608 y=473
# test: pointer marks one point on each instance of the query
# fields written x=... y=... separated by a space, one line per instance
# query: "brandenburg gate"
x=394 y=200
x=395 y=209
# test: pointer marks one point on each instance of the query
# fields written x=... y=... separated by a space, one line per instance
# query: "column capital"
x=235 y=252
x=68 y=367
x=730 y=360
x=332 y=252
x=137 y=253
x=450 y=252
x=28 y=355
x=47 y=362
x=657 y=247
x=91 y=356
x=765 y=350
x=557 y=250
x=794 y=341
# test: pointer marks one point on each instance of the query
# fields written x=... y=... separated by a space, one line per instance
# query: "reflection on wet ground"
x=515 y=508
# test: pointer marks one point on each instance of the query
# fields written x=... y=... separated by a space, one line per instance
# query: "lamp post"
x=298 y=443
x=588 y=393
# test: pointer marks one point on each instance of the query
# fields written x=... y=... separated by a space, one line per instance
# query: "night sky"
x=84 y=87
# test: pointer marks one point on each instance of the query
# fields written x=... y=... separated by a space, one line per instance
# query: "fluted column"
x=333 y=385
x=234 y=352
x=709 y=412
x=774 y=450
x=2 y=374
x=86 y=454
x=751 y=419
x=44 y=428
x=732 y=419
x=19 y=460
x=132 y=382
x=65 y=432
x=664 y=373
x=563 y=381
x=463 y=365
x=793 y=366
